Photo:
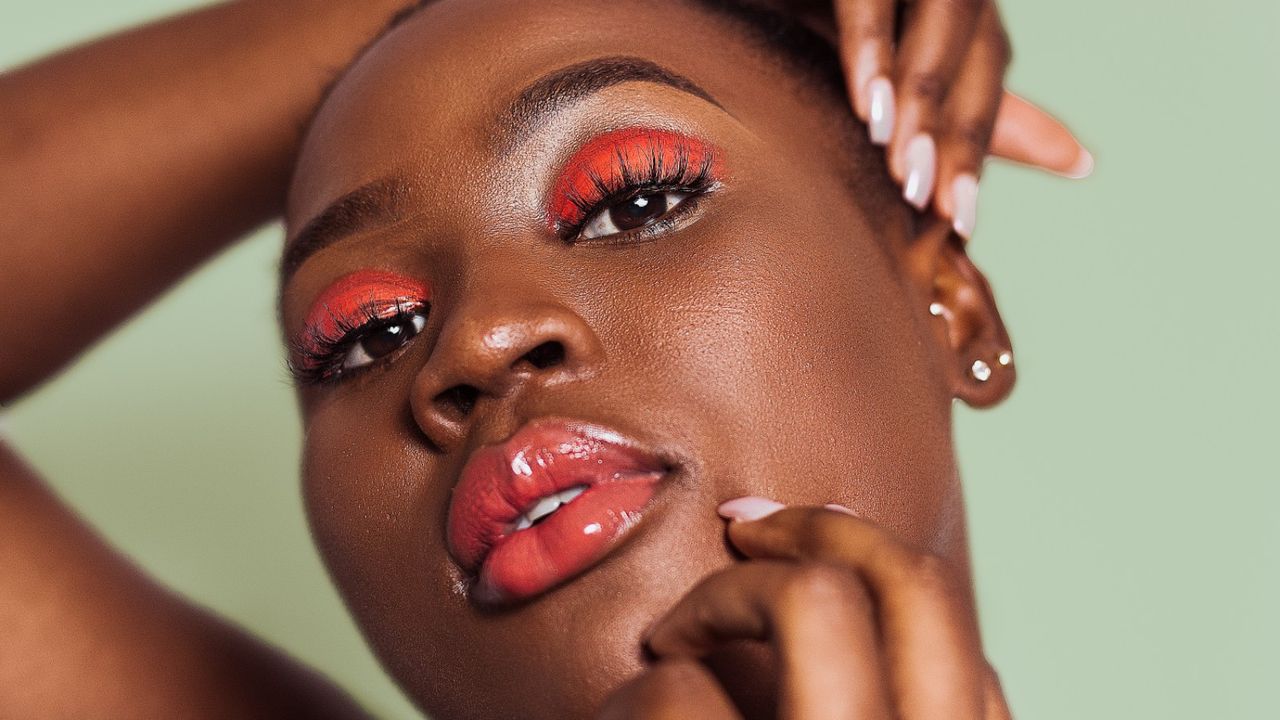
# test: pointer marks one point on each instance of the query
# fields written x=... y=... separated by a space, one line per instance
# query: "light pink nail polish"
x=864 y=68
x=922 y=167
x=882 y=110
x=1083 y=167
x=748 y=508
x=840 y=509
x=964 y=203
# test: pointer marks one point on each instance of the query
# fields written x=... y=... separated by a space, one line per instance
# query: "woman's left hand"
x=927 y=77
x=863 y=626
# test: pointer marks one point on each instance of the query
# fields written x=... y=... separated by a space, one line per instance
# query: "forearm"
x=86 y=634
x=127 y=162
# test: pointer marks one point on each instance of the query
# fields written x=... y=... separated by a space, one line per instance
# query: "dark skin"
x=673 y=338
x=789 y=315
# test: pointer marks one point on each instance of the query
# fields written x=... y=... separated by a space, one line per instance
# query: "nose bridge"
x=499 y=341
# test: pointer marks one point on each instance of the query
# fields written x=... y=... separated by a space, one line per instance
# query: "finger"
x=819 y=619
x=1026 y=134
x=935 y=661
x=997 y=706
x=935 y=40
x=866 y=30
x=970 y=113
x=670 y=690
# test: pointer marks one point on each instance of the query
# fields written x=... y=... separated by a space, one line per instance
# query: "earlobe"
x=976 y=353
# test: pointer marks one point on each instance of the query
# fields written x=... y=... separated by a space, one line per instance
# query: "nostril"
x=548 y=354
x=458 y=400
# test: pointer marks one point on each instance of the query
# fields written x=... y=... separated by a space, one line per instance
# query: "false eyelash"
x=680 y=175
x=316 y=358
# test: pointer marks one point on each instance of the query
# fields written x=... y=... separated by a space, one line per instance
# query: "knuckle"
x=973 y=136
x=817 y=582
x=927 y=86
x=667 y=676
x=874 y=33
x=1002 y=48
x=704 y=616
x=825 y=531
x=931 y=574
x=993 y=677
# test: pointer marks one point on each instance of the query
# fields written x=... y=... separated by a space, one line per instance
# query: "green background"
x=1124 y=501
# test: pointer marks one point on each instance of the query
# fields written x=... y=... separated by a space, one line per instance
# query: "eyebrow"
x=376 y=202
x=360 y=209
x=570 y=84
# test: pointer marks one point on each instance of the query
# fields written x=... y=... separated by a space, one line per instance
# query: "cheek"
x=809 y=371
x=376 y=518
x=378 y=523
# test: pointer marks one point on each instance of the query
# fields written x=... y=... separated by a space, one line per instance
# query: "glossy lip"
x=501 y=482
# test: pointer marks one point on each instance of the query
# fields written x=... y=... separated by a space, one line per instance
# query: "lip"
x=501 y=482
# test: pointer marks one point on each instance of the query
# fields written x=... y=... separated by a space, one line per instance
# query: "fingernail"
x=840 y=509
x=882 y=110
x=1083 y=167
x=748 y=508
x=922 y=161
x=964 y=203
x=865 y=67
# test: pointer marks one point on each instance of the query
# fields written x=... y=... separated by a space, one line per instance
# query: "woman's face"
x=604 y=250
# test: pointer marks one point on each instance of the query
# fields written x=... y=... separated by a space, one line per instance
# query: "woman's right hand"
x=862 y=626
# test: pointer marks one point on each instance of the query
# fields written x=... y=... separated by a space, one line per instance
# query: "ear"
x=975 y=349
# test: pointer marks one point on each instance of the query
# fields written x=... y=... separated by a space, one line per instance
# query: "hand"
x=932 y=89
x=863 y=627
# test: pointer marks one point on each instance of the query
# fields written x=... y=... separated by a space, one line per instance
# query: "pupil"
x=638 y=211
x=386 y=340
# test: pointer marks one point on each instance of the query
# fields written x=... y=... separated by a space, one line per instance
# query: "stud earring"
x=1005 y=359
x=980 y=370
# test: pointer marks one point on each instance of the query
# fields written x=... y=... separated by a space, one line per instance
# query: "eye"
x=632 y=213
x=381 y=339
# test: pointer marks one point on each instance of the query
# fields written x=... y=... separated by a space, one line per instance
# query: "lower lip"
x=568 y=542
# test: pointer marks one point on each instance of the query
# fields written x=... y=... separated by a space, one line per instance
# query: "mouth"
x=546 y=505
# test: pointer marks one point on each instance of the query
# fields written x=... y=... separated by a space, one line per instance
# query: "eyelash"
x=654 y=166
x=316 y=359
x=626 y=182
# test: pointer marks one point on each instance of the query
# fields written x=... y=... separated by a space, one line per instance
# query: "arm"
x=126 y=163
x=86 y=634
x=123 y=165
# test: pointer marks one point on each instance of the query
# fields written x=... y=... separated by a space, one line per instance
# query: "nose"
x=496 y=351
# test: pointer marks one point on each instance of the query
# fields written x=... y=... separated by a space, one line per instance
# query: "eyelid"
x=611 y=163
x=346 y=296
x=347 y=306
x=323 y=359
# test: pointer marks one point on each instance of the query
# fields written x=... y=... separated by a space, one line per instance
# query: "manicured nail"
x=1083 y=167
x=840 y=509
x=964 y=203
x=865 y=67
x=922 y=163
x=748 y=508
x=882 y=110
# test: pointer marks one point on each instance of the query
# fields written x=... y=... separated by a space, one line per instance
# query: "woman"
x=548 y=309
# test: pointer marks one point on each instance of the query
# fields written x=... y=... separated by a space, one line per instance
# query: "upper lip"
x=500 y=482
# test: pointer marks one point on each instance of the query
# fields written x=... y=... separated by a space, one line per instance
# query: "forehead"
x=432 y=92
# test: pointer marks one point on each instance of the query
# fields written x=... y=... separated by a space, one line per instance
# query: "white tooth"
x=545 y=506
x=573 y=492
